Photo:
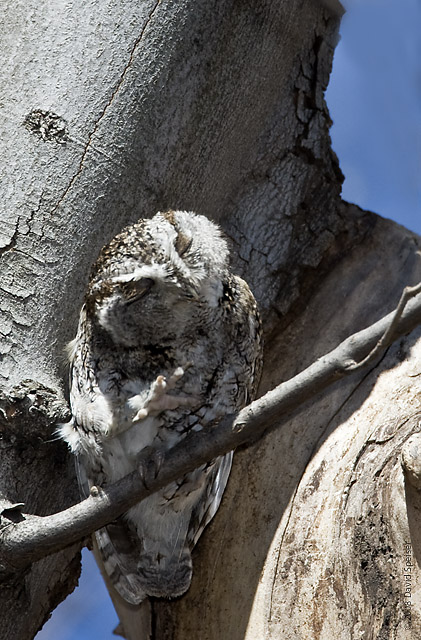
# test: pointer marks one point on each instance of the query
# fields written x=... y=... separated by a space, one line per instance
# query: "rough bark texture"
x=216 y=107
x=35 y=471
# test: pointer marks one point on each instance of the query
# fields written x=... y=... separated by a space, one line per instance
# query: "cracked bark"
x=216 y=107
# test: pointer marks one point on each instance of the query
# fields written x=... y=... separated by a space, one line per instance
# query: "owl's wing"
x=118 y=546
x=207 y=506
x=120 y=553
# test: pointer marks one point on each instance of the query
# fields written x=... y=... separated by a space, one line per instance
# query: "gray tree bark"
x=114 y=110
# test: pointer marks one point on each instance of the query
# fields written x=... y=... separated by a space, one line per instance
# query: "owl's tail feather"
x=136 y=575
x=165 y=576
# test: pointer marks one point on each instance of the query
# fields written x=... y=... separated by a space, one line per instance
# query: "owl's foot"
x=149 y=463
x=159 y=399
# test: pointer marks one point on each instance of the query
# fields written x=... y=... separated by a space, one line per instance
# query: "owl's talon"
x=150 y=462
x=141 y=415
x=159 y=399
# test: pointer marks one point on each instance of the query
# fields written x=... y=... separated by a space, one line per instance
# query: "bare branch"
x=35 y=537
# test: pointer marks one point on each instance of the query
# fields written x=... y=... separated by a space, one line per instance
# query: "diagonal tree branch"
x=27 y=538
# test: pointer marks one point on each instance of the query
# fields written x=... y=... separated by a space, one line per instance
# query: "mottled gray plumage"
x=168 y=342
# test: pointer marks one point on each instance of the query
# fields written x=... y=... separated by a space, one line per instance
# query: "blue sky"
x=87 y=614
x=374 y=99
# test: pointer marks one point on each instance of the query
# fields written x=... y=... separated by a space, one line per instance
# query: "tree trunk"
x=115 y=110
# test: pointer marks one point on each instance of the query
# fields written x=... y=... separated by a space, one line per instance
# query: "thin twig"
x=407 y=294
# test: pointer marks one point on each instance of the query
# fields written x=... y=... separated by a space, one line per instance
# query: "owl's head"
x=157 y=277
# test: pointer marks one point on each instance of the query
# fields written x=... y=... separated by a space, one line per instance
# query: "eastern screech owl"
x=168 y=342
